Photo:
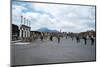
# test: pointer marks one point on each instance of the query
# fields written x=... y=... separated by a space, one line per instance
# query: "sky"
x=67 y=18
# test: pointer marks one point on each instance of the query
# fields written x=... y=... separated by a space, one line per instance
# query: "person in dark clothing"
x=85 y=40
x=92 y=40
x=51 y=38
x=41 y=37
x=72 y=37
x=78 y=40
x=58 y=39
x=66 y=36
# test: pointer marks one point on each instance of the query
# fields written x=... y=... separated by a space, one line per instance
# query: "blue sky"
x=68 y=18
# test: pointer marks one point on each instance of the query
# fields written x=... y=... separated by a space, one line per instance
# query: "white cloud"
x=65 y=17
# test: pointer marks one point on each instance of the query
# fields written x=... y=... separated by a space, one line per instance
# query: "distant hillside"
x=46 y=30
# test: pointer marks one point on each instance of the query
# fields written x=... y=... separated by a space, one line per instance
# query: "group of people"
x=58 y=37
x=85 y=39
x=50 y=38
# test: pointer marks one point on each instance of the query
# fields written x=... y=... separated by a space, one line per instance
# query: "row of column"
x=24 y=33
x=25 y=21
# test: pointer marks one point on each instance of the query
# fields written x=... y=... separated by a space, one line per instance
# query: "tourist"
x=58 y=39
x=92 y=40
x=51 y=38
x=41 y=37
x=85 y=40
x=77 y=38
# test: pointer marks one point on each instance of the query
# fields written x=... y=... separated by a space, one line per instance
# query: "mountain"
x=46 y=30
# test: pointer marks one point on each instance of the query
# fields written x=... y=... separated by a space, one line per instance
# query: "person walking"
x=92 y=40
x=77 y=39
x=51 y=38
x=85 y=40
x=58 y=39
x=72 y=38
x=41 y=37
x=66 y=36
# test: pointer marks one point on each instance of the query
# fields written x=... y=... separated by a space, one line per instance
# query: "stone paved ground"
x=40 y=52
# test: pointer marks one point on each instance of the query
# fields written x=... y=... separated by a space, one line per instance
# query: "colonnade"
x=24 y=28
x=24 y=32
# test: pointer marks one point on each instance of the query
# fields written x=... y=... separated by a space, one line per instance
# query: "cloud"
x=69 y=18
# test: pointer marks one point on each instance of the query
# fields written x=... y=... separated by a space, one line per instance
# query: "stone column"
x=23 y=33
x=28 y=33
x=20 y=33
x=24 y=21
x=27 y=22
x=21 y=20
